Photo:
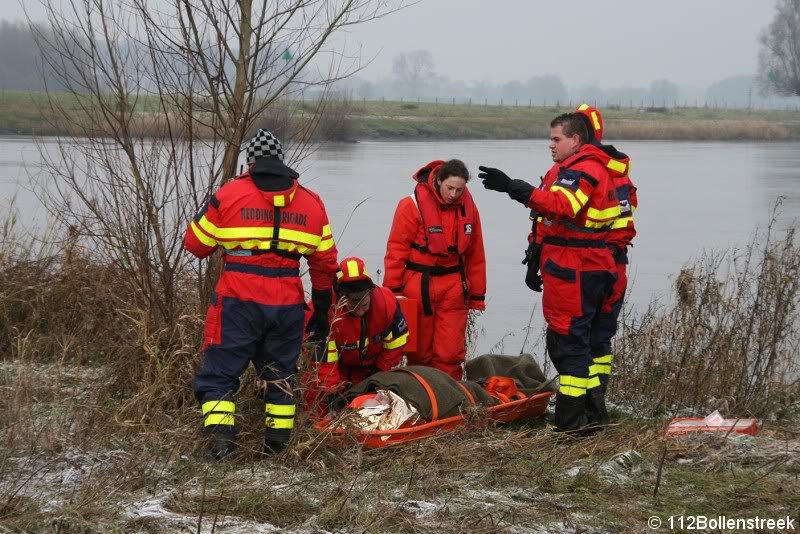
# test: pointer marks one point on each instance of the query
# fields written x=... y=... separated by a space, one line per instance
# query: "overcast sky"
x=604 y=42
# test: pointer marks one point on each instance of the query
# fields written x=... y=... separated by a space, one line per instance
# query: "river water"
x=692 y=196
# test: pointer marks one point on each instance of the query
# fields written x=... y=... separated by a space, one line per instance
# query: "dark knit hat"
x=264 y=145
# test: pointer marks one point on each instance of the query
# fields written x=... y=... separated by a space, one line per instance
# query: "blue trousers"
x=239 y=332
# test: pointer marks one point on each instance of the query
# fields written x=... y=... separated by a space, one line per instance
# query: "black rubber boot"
x=274 y=444
x=570 y=413
x=596 y=413
x=221 y=441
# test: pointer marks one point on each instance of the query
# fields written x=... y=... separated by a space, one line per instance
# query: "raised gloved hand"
x=497 y=180
x=494 y=179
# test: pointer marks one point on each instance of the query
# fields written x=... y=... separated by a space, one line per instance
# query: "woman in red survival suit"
x=368 y=333
x=435 y=255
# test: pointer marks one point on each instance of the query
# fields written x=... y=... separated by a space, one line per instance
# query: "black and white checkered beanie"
x=264 y=145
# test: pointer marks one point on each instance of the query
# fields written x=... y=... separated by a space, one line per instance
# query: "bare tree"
x=779 y=58
x=161 y=97
x=413 y=68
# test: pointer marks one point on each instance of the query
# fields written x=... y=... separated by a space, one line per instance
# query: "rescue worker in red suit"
x=263 y=222
x=578 y=203
x=619 y=239
x=368 y=333
x=435 y=255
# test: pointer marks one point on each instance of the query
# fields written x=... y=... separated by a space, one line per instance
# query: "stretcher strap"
x=428 y=390
x=499 y=396
x=467 y=393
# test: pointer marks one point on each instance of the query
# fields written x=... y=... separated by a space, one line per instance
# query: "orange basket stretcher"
x=505 y=412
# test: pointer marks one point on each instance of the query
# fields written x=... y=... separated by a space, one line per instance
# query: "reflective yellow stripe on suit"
x=218 y=412
x=280 y=415
x=601 y=365
x=575 y=386
x=616 y=165
x=255 y=234
x=621 y=222
x=202 y=236
x=603 y=215
x=390 y=344
x=570 y=196
x=332 y=353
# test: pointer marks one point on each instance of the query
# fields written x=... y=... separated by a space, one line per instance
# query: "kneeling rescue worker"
x=264 y=222
x=578 y=203
x=368 y=333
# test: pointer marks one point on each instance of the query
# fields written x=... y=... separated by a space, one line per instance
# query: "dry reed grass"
x=700 y=130
x=98 y=424
x=729 y=339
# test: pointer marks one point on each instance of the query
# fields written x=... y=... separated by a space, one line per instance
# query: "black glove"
x=318 y=325
x=494 y=179
x=521 y=191
x=497 y=180
x=532 y=277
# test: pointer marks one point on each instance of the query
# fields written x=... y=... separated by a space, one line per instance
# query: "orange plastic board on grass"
x=409 y=308
x=681 y=426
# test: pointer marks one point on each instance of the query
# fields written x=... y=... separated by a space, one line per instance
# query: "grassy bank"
x=100 y=432
x=377 y=120
x=29 y=113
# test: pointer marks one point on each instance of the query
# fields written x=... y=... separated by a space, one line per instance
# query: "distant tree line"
x=414 y=76
x=21 y=65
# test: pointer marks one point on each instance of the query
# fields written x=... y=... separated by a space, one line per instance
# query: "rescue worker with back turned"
x=435 y=255
x=578 y=203
x=263 y=221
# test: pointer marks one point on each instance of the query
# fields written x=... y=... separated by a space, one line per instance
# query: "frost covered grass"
x=99 y=430
x=481 y=479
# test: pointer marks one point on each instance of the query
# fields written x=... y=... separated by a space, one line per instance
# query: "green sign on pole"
x=287 y=56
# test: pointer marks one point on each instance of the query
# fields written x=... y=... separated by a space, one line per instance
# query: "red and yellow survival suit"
x=619 y=238
x=368 y=333
x=435 y=255
x=264 y=222
x=578 y=204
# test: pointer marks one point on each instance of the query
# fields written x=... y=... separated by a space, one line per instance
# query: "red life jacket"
x=436 y=238
x=594 y=220
x=361 y=341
